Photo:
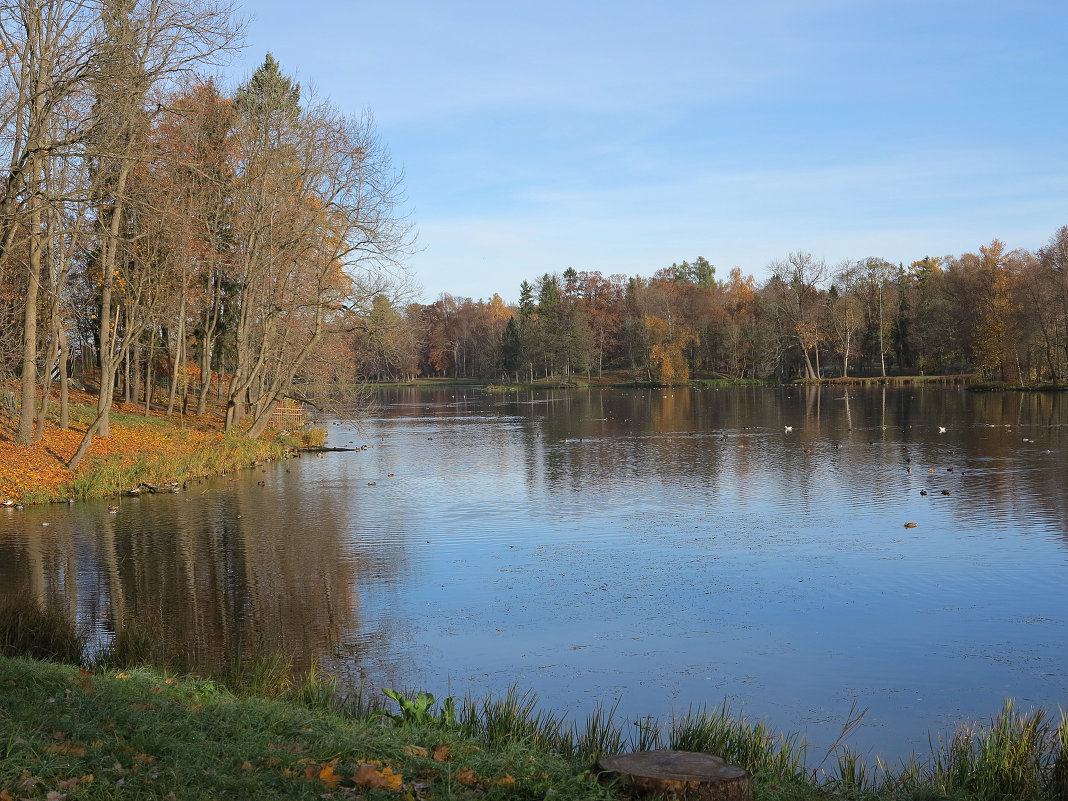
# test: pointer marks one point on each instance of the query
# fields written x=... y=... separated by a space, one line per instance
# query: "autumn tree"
x=192 y=183
x=142 y=44
x=49 y=59
x=667 y=362
x=738 y=334
x=794 y=290
x=1047 y=297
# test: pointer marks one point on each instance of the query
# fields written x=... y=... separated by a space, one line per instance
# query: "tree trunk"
x=29 y=322
x=64 y=382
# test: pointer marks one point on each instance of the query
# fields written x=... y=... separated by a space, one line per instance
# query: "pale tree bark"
x=48 y=49
x=797 y=280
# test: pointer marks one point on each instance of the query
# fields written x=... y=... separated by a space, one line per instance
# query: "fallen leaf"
x=415 y=750
x=393 y=780
x=367 y=776
x=327 y=775
x=66 y=749
x=467 y=777
x=442 y=753
x=507 y=780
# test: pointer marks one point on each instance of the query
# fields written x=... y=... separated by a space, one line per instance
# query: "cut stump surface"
x=682 y=775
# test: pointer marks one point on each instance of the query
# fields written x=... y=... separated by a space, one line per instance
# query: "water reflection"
x=248 y=561
x=666 y=547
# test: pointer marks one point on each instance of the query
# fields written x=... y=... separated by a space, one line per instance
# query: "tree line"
x=1000 y=314
x=158 y=231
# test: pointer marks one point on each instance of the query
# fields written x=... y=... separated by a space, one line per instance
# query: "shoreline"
x=140 y=450
x=124 y=730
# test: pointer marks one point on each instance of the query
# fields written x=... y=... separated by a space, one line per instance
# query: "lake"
x=659 y=548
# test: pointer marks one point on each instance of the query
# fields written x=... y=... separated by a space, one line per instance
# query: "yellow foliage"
x=666 y=359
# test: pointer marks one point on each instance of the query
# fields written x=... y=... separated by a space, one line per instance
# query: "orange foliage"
x=42 y=466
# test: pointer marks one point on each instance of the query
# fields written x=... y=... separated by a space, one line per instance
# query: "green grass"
x=115 y=474
x=142 y=734
x=257 y=728
x=723 y=383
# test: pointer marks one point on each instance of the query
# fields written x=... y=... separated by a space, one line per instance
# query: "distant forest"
x=1001 y=315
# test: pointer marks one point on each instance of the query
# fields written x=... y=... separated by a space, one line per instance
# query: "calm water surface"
x=665 y=548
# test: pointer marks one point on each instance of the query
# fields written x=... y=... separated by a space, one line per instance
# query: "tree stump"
x=682 y=775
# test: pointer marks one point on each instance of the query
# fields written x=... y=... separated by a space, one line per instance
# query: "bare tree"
x=796 y=282
x=48 y=52
x=143 y=44
x=845 y=310
x=317 y=231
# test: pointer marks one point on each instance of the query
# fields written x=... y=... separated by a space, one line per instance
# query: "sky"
x=625 y=136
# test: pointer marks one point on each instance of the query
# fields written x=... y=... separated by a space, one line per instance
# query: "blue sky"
x=624 y=136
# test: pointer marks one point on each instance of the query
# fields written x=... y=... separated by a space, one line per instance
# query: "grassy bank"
x=71 y=733
x=102 y=726
x=141 y=449
x=109 y=733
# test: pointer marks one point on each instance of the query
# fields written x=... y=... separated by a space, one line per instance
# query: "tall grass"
x=29 y=628
x=513 y=717
x=136 y=644
x=1058 y=782
x=750 y=745
x=115 y=474
x=1015 y=756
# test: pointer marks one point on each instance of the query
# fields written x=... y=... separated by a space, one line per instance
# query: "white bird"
x=788 y=429
x=941 y=429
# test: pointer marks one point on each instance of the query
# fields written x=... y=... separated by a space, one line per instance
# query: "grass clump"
x=1015 y=756
x=30 y=628
x=750 y=745
x=313 y=436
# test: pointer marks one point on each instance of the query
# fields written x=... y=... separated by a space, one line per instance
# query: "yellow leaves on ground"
x=369 y=776
x=327 y=775
x=42 y=465
x=442 y=753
